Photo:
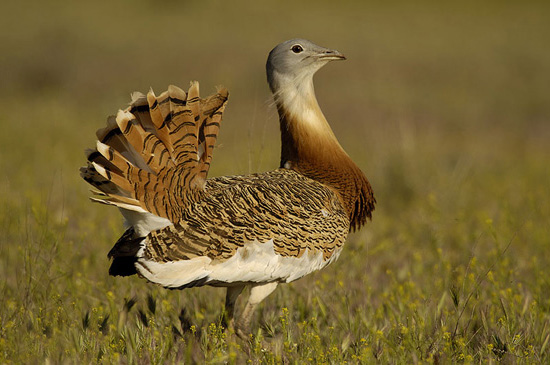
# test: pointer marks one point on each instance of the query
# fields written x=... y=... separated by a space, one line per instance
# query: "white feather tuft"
x=173 y=274
x=143 y=221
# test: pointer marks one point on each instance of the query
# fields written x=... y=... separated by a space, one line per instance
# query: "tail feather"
x=139 y=107
x=124 y=254
x=111 y=158
x=90 y=175
x=184 y=126
x=154 y=156
x=135 y=135
x=157 y=119
x=211 y=128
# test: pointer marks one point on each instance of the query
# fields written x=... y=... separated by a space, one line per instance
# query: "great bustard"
x=257 y=230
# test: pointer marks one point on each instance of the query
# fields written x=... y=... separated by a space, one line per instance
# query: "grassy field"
x=446 y=108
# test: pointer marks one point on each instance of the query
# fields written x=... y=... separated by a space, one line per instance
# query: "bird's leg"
x=233 y=293
x=257 y=294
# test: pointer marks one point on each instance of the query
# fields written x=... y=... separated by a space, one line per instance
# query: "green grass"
x=445 y=108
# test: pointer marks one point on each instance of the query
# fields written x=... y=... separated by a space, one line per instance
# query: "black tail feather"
x=124 y=254
x=123 y=266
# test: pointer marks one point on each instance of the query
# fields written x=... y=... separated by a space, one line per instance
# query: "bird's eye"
x=297 y=48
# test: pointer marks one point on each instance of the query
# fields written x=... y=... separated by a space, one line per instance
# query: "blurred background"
x=444 y=105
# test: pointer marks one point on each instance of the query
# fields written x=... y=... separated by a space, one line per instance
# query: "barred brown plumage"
x=261 y=207
x=152 y=162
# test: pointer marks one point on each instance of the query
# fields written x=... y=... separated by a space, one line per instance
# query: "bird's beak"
x=331 y=55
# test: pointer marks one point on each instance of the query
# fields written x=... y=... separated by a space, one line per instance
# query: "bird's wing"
x=154 y=156
x=274 y=226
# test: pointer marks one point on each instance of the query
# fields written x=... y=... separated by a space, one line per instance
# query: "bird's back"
x=273 y=226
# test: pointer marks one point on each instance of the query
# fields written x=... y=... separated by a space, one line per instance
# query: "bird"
x=185 y=230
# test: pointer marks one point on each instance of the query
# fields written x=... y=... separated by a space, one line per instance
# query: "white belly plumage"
x=255 y=262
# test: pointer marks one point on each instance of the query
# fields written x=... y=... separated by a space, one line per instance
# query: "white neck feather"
x=296 y=98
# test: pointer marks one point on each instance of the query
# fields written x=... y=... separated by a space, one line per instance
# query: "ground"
x=444 y=107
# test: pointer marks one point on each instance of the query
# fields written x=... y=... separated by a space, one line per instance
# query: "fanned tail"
x=154 y=156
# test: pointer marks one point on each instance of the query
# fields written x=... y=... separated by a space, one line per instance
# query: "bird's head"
x=297 y=59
